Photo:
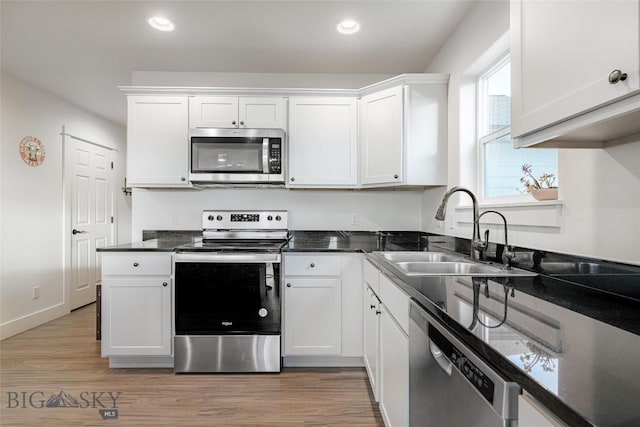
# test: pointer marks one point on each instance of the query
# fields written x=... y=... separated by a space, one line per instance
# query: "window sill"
x=521 y=213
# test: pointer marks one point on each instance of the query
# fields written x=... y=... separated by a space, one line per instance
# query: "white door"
x=91 y=180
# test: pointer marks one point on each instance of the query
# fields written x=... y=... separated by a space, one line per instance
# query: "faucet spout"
x=477 y=245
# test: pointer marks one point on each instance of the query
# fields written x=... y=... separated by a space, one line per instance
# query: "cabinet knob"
x=288 y=285
x=395 y=176
x=241 y=122
x=378 y=312
x=312 y=265
x=293 y=179
x=233 y=122
x=135 y=264
x=617 y=76
x=165 y=284
x=182 y=178
x=372 y=306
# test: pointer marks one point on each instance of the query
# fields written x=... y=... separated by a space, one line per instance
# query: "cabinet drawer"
x=136 y=264
x=312 y=265
x=396 y=301
x=371 y=277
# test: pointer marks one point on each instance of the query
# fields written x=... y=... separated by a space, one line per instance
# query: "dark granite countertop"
x=166 y=241
x=571 y=346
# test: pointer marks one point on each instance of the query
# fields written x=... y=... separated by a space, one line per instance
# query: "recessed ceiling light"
x=161 y=23
x=348 y=26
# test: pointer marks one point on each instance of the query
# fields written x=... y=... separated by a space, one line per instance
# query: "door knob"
x=74 y=231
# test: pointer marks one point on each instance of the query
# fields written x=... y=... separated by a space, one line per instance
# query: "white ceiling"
x=82 y=50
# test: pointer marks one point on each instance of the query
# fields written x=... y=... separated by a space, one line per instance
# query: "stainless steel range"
x=227 y=294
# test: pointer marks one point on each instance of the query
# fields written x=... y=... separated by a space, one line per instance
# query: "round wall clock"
x=32 y=151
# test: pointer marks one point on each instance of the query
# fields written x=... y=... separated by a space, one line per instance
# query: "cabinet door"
x=261 y=113
x=312 y=323
x=322 y=142
x=394 y=372
x=382 y=137
x=561 y=66
x=213 y=111
x=157 y=141
x=136 y=316
x=532 y=414
x=371 y=339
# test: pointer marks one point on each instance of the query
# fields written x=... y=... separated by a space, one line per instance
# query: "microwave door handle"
x=265 y=155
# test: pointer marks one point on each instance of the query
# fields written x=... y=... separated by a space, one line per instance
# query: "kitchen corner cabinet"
x=561 y=67
x=403 y=135
x=236 y=112
x=136 y=304
x=157 y=141
x=322 y=300
x=386 y=345
x=323 y=142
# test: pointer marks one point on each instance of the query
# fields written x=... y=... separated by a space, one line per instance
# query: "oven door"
x=227 y=294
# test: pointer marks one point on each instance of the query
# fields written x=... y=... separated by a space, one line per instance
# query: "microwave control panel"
x=275 y=156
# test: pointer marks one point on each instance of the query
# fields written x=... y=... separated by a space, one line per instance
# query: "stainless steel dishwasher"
x=449 y=386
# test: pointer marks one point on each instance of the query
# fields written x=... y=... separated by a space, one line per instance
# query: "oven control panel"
x=247 y=220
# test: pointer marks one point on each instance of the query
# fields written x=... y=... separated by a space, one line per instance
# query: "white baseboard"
x=31 y=320
x=322 y=362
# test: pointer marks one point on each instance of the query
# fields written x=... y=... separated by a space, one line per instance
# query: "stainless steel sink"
x=419 y=257
x=442 y=264
x=581 y=268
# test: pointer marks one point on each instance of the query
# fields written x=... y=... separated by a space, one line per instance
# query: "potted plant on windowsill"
x=542 y=188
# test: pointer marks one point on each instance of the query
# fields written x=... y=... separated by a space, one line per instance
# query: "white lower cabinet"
x=372 y=339
x=386 y=345
x=322 y=309
x=136 y=304
x=532 y=414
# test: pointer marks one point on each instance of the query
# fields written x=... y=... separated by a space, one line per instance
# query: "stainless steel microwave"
x=237 y=155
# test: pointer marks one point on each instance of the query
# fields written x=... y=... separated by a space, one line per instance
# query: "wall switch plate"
x=36 y=292
x=355 y=219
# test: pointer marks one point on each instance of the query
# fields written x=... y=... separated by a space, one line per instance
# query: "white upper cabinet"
x=236 y=112
x=403 y=134
x=571 y=62
x=323 y=142
x=382 y=133
x=157 y=141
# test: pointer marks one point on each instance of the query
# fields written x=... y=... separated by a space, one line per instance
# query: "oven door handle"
x=247 y=258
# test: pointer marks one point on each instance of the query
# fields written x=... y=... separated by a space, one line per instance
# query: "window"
x=500 y=163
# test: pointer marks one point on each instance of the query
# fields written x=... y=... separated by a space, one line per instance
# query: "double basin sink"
x=442 y=264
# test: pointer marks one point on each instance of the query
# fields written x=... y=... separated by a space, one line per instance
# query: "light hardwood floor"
x=63 y=355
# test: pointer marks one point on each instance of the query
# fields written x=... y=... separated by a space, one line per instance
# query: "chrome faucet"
x=477 y=245
x=507 y=254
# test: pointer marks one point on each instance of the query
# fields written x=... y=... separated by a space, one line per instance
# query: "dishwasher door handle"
x=440 y=358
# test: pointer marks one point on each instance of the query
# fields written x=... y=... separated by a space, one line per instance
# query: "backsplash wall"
x=308 y=209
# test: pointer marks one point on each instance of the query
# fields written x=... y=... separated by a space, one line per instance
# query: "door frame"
x=67 y=214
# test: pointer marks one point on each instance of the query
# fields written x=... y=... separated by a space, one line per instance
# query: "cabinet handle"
x=395 y=176
x=165 y=284
x=617 y=76
x=372 y=306
x=312 y=265
x=288 y=285
x=135 y=264
x=292 y=179
x=378 y=312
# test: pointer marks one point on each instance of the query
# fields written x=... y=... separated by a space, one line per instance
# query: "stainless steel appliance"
x=237 y=156
x=227 y=294
x=449 y=385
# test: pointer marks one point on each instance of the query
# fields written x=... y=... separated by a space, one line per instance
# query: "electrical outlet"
x=36 y=292
x=355 y=219
x=175 y=219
